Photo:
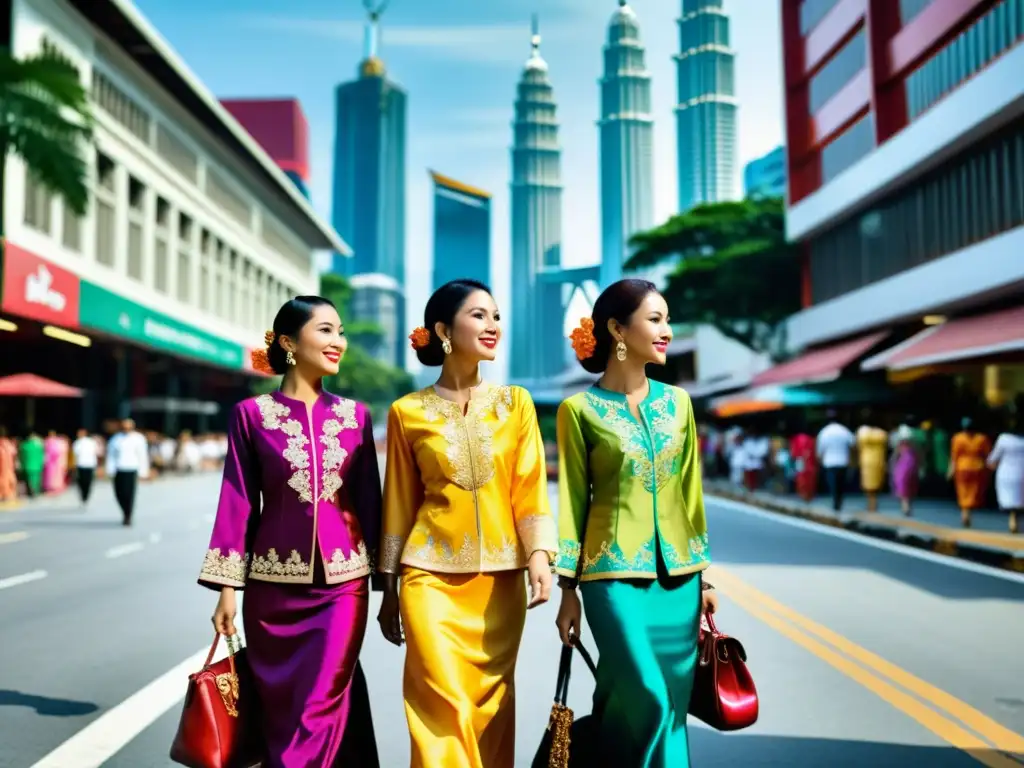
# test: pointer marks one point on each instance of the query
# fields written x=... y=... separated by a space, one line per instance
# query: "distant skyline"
x=459 y=68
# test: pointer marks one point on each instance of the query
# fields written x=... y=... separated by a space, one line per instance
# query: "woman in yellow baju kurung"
x=465 y=511
x=871 y=447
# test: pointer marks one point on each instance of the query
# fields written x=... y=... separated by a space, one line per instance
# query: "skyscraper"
x=765 y=176
x=369 y=167
x=537 y=342
x=462 y=231
x=706 y=108
x=627 y=143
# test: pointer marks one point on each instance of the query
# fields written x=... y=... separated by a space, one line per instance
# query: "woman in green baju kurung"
x=31 y=456
x=632 y=530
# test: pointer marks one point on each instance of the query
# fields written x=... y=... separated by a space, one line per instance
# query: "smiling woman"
x=297 y=521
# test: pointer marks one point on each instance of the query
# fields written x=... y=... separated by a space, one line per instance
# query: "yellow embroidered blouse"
x=465 y=493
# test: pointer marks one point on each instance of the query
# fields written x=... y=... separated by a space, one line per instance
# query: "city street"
x=864 y=653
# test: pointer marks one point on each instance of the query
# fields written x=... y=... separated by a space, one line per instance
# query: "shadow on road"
x=43 y=705
x=734 y=541
x=711 y=749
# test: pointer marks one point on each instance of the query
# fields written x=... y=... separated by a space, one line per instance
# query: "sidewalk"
x=935 y=524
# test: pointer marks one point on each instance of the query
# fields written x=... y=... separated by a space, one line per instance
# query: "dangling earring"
x=620 y=351
x=446 y=346
x=289 y=358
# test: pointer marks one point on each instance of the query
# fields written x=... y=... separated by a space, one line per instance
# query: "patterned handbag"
x=568 y=743
x=724 y=695
x=220 y=722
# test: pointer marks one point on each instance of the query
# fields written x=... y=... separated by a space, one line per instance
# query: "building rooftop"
x=458 y=186
x=123 y=23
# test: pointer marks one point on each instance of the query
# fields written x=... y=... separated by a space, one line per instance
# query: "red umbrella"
x=30 y=385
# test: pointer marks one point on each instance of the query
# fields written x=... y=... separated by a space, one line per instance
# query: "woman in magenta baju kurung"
x=303 y=555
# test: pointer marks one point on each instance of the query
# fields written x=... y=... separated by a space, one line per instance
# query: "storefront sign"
x=37 y=289
x=106 y=311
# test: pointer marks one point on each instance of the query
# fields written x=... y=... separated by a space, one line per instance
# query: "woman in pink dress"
x=55 y=463
x=906 y=466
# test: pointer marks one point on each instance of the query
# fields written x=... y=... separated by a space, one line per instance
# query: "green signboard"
x=108 y=312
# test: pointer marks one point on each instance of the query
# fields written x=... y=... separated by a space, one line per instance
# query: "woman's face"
x=321 y=343
x=648 y=334
x=475 y=330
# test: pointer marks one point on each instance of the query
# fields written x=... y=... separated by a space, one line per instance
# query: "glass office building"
x=462 y=232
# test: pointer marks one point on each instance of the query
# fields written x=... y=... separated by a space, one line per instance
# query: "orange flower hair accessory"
x=260 y=357
x=583 y=341
x=420 y=337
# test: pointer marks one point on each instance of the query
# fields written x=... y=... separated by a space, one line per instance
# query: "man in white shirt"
x=834 y=445
x=127 y=461
x=86 y=454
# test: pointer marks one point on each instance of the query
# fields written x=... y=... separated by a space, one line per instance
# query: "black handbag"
x=568 y=743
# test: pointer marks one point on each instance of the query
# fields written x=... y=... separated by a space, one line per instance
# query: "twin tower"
x=706 y=124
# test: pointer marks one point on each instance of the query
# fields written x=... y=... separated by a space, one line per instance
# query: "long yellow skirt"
x=462 y=634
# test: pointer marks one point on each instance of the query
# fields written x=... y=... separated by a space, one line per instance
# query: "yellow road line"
x=1001 y=737
x=946 y=729
x=10 y=538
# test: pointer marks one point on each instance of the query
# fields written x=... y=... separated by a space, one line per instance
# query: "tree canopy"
x=45 y=119
x=733 y=269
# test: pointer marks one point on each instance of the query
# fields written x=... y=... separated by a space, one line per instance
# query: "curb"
x=985 y=554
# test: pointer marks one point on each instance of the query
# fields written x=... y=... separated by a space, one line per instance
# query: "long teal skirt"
x=646 y=634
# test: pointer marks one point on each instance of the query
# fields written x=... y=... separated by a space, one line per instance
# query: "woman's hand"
x=708 y=601
x=570 y=616
x=540 y=579
x=390 y=618
x=224 y=614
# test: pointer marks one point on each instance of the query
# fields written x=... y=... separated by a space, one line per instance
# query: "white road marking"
x=23 y=578
x=124 y=549
x=108 y=734
x=869 y=541
x=154 y=538
x=10 y=538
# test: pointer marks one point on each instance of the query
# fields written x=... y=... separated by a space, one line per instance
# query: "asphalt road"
x=864 y=653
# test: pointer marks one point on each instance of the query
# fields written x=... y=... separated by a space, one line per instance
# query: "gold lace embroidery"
x=391 y=553
x=272 y=565
x=355 y=562
x=334 y=454
x=635 y=443
x=221 y=568
x=537 y=532
x=345 y=410
x=442 y=553
x=470 y=438
x=273 y=414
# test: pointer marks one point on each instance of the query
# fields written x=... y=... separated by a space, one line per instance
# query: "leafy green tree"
x=46 y=120
x=734 y=269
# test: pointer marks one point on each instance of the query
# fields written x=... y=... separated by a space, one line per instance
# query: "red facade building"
x=280 y=127
x=905 y=153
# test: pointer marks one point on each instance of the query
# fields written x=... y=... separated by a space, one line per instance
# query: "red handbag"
x=220 y=722
x=723 y=695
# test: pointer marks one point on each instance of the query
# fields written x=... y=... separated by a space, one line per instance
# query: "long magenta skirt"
x=303 y=646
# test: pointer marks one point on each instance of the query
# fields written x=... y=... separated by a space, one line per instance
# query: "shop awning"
x=988 y=335
x=30 y=385
x=764 y=399
x=820 y=365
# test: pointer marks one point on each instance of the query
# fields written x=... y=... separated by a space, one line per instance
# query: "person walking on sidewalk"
x=968 y=453
x=86 y=453
x=834 y=444
x=1007 y=459
x=127 y=461
x=31 y=456
x=906 y=466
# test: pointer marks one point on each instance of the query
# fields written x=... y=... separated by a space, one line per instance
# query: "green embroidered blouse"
x=629 y=488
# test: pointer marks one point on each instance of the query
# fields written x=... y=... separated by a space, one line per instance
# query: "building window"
x=106 y=211
x=812 y=12
x=221 y=193
x=840 y=69
x=218 y=278
x=120 y=106
x=284 y=244
x=136 y=226
x=232 y=280
x=909 y=9
x=38 y=204
x=971 y=197
x=206 y=246
x=71 y=230
x=848 y=147
x=185 y=229
x=989 y=37
x=176 y=154
x=161 y=250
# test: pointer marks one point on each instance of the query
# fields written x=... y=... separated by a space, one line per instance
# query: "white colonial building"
x=190 y=218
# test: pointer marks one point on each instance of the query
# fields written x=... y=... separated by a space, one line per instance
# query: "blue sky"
x=459 y=60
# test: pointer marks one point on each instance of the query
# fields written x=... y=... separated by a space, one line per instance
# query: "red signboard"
x=37 y=289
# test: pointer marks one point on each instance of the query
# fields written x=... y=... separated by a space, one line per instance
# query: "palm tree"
x=46 y=120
